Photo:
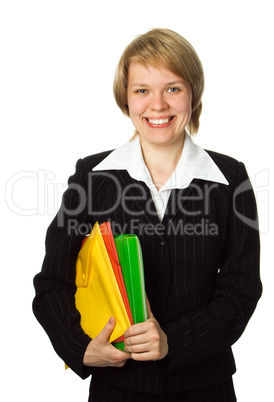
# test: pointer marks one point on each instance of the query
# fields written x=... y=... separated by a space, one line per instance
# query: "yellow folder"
x=98 y=297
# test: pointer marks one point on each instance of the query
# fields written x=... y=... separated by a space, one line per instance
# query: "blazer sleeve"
x=54 y=305
x=218 y=325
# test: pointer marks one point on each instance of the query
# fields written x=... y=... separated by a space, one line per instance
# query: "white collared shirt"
x=195 y=163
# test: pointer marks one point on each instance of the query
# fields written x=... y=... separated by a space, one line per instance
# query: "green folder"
x=131 y=260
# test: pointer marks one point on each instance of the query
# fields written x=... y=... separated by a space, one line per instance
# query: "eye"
x=173 y=89
x=141 y=91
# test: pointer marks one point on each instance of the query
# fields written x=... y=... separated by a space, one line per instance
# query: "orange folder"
x=113 y=256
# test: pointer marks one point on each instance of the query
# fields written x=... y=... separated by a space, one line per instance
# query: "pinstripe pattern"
x=203 y=285
x=222 y=392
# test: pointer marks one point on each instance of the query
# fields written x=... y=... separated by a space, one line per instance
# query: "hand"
x=147 y=340
x=101 y=353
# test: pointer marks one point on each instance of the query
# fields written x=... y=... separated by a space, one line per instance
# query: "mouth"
x=159 y=123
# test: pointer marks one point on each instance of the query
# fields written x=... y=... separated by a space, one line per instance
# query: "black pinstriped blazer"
x=201 y=271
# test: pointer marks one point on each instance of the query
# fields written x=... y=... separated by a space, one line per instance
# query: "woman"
x=195 y=215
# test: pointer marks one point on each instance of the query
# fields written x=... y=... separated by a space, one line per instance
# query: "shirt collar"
x=195 y=163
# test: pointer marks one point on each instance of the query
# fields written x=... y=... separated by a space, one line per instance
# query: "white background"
x=57 y=64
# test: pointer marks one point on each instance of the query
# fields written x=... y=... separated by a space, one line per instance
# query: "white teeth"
x=160 y=121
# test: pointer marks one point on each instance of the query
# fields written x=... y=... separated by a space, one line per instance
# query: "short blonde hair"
x=167 y=48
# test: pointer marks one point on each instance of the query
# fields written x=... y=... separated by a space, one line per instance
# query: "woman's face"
x=159 y=103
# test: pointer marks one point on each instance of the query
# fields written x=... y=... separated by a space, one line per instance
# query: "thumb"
x=107 y=330
x=149 y=312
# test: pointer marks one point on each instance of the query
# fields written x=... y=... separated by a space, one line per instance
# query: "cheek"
x=136 y=108
x=133 y=115
x=183 y=105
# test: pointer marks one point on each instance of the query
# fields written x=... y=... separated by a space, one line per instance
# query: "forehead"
x=151 y=74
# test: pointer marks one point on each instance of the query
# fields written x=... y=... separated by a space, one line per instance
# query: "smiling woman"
x=159 y=111
x=170 y=51
x=159 y=105
x=195 y=214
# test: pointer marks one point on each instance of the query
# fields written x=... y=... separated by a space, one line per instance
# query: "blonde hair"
x=167 y=48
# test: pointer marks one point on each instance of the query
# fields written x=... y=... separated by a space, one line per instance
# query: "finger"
x=135 y=340
x=107 y=330
x=139 y=348
x=149 y=312
x=140 y=328
x=145 y=356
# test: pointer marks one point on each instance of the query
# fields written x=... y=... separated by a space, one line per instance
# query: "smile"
x=159 y=123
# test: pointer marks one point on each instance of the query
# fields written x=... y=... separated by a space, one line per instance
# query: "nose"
x=158 y=102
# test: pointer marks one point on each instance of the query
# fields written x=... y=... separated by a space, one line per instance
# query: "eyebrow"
x=140 y=84
x=137 y=84
x=176 y=82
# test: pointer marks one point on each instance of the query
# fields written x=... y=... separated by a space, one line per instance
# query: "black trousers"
x=103 y=392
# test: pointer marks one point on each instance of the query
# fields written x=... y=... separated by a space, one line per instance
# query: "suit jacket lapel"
x=176 y=203
x=140 y=195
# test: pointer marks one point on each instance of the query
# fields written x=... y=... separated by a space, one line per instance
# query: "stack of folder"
x=110 y=283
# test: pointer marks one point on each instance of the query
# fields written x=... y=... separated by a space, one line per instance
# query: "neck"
x=161 y=160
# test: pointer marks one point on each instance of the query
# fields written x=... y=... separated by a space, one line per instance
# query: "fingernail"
x=111 y=320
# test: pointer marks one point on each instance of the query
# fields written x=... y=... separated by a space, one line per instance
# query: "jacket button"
x=162 y=243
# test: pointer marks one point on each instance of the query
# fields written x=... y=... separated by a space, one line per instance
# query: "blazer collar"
x=195 y=163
